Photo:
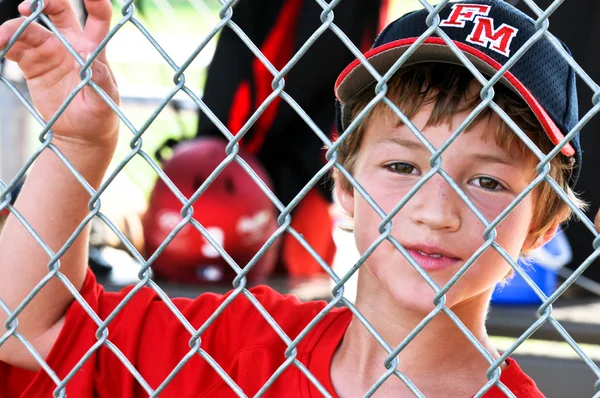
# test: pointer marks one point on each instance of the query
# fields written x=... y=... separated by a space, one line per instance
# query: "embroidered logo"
x=483 y=33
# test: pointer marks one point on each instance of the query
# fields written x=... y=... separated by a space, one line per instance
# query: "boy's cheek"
x=512 y=233
x=366 y=226
x=387 y=196
x=491 y=208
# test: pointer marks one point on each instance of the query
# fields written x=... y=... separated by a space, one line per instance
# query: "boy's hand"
x=52 y=73
x=86 y=133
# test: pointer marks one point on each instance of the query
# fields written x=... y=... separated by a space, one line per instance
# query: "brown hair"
x=449 y=89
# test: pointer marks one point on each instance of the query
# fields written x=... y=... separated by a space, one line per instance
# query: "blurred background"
x=227 y=77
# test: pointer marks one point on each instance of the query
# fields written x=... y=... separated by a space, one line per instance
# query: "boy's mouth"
x=432 y=258
x=435 y=255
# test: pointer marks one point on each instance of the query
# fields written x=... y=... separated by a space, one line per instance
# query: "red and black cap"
x=489 y=33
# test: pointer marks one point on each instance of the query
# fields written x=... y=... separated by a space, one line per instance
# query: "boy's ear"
x=345 y=198
x=532 y=244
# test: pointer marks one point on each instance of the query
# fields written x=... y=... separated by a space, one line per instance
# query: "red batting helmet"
x=233 y=209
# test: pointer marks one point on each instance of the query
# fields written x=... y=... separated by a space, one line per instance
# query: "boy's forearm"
x=54 y=203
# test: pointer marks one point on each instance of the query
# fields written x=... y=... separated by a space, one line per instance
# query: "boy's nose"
x=436 y=206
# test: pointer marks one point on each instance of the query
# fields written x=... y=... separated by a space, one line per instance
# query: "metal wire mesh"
x=284 y=220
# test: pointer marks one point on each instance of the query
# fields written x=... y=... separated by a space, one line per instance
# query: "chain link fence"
x=240 y=283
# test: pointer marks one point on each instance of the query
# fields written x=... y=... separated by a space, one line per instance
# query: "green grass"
x=139 y=74
x=138 y=68
x=165 y=126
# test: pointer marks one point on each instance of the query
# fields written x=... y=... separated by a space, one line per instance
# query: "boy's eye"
x=402 y=168
x=488 y=183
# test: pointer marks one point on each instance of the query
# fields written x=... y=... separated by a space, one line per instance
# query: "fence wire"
x=327 y=18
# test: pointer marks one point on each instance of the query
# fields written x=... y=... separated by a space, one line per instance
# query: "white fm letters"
x=484 y=33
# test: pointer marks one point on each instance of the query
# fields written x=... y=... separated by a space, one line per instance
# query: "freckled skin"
x=440 y=360
x=436 y=215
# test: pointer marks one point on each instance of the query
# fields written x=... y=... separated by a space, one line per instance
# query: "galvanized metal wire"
x=327 y=18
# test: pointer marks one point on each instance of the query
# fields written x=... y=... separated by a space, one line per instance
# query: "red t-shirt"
x=240 y=340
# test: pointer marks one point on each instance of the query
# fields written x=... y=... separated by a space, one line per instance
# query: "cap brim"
x=356 y=77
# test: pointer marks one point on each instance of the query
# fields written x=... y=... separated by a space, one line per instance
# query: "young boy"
x=145 y=348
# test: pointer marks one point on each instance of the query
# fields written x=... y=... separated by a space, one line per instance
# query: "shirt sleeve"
x=139 y=321
x=147 y=338
x=13 y=380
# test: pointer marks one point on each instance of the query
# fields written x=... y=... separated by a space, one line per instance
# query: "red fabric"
x=277 y=48
x=240 y=108
x=240 y=340
x=312 y=220
x=516 y=381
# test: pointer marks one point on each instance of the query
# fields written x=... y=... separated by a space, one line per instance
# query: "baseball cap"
x=488 y=33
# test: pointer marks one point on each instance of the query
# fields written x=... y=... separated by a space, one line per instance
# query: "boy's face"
x=436 y=226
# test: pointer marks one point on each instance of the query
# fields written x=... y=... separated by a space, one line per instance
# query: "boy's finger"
x=102 y=77
x=60 y=12
x=97 y=24
x=31 y=37
x=597 y=221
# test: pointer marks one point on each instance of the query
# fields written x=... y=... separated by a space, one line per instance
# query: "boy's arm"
x=52 y=200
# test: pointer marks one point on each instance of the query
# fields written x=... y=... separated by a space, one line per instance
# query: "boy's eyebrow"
x=416 y=145
x=484 y=157
x=405 y=142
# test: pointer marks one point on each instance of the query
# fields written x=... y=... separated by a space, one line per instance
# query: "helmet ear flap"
x=229 y=186
x=198 y=181
x=232 y=209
